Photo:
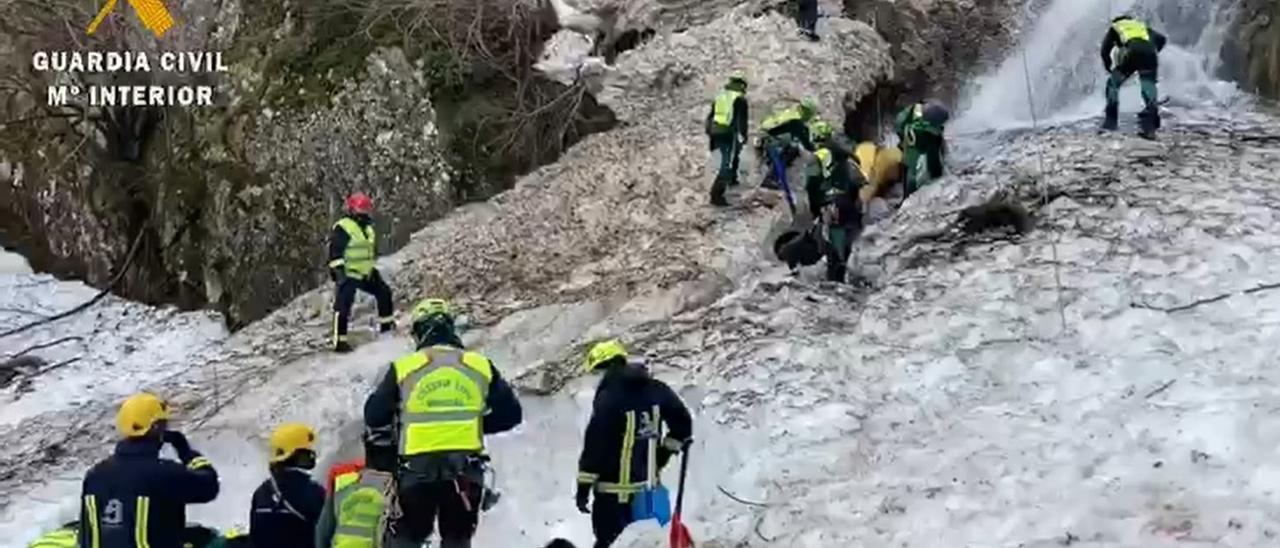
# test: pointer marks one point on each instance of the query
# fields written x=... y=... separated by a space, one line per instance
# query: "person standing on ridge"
x=920 y=129
x=353 y=248
x=135 y=498
x=286 y=507
x=727 y=130
x=782 y=130
x=1131 y=46
x=354 y=512
x=623 y=449
x=832 y=187
x=807 y=18
x=442 y=399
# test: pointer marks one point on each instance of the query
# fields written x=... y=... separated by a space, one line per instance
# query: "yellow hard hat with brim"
x=603 y=352
x=289 y=438
x=139 y=414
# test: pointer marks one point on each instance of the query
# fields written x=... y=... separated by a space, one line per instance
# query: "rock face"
x=1251 y=54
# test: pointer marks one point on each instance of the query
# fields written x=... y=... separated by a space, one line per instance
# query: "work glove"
x=179 y=443
x=584 y=497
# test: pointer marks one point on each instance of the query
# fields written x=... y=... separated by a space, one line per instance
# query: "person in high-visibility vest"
x=781 y=132
x=353 y=249
x=193 y=536
x=920 y=128
x=442 y=400
x=832 y=187
x=727 y=130
x=624 y=447
x=136 y=498
x=1131 y=46
x=284 y=509
x=356 y=510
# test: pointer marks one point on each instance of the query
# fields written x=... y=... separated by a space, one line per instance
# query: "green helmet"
x=432 y=316
x=738 y=79
x=808 y=107
x=821 y=130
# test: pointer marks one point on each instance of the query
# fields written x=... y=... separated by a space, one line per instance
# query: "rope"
x=1044 y=191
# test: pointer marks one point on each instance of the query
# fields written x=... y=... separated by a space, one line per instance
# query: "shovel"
x=680 y=537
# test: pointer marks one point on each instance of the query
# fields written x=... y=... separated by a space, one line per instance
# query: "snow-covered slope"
x=943 y=403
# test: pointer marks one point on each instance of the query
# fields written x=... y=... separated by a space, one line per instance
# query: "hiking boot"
x=1108 y=124
x=1147 y=134
x=770 y=184
x=719 y=201
x=386 y=327
x=342 y=347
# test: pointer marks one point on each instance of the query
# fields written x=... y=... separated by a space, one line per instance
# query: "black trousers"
x=608 y=518
x=345 y=297
x=424 y=502
x=807 y=16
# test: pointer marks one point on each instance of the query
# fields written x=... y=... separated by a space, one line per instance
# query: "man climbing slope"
x=285 y=508
x=727 y=130
x=135 y=498
x=442 y=399
x=353 y=247
x=782 y=130
x=832 y=187
x=920 y=129
x=623 y=449
x=1131 y=46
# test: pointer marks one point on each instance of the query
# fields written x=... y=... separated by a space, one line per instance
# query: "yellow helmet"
x=427 y=308
x=290 y=438
x=139 y=414
x=603 y=352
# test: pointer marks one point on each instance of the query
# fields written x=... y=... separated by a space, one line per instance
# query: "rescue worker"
x=781 y=131
x=353 y=248
x=193 y=536
x=727 y=130
x=442 y=399
x=135 y=498
x=623 y=449
x=920 y=130
x=807 y=18
x=355 y=511
x=1131 y=46
x=833 y=187
x=286 y=507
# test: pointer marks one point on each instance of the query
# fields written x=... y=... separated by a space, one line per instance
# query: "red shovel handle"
x=680 y=537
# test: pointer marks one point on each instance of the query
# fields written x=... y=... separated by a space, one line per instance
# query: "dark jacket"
x=620 y=401
x=338 y=239
x=136 y=478
x=503 y=408
x=740 y=117
x=798 y=129
x=1112 y=40
x=287 y=518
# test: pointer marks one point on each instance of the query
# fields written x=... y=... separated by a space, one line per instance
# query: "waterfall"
x=1060 y=55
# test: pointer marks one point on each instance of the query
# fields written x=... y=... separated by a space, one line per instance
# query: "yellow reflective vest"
x=442 y=400
x=722 y=113
x=358 y=257
x=781 y=117
x=62 y=538
x=359 y=502
x=1131 y=29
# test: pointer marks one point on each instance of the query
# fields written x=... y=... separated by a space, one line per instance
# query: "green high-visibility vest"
x=442 y=400
x=62 y=538
x=358 y=505
x=1131 y=29
x=358 y=257
x=781 y=117
x=723 y=113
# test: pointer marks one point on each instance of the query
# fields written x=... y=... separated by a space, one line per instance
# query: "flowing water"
x=1059 y=62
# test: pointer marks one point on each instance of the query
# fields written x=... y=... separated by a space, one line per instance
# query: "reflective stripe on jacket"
x=781 y=117
x=358 y=257
x=359 y=505
x=442 y=400
x=1131 y=29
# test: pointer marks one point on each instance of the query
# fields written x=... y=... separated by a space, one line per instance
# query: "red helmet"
x=359 y=202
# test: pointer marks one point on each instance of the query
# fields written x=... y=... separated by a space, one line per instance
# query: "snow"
x=946 y=405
